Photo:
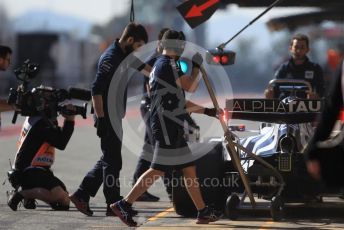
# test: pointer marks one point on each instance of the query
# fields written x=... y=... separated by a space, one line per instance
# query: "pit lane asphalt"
x=83 y=151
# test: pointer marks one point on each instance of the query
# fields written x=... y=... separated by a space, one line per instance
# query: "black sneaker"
x=133 y=212
x=123 y=210
x=29 y=203
x=81 y=205
x=146 y=196
x=109 y=211
x=14 y=199
x=207 y=215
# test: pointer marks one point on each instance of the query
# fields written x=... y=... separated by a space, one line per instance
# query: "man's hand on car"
x=269 y=93
x=312 y=95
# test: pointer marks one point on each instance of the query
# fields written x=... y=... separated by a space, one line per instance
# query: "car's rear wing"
x=273 y=110
x=291 y=84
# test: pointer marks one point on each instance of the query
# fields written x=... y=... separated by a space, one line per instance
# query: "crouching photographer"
x=31 y=175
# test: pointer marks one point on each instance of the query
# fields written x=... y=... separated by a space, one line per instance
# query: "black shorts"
x=170 y=168
x=38 y=177
x=168 y=157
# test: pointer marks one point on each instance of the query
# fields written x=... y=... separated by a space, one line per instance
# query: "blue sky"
x=222 y=25
x=100 y=11
x=225 y=24
x=96 y=11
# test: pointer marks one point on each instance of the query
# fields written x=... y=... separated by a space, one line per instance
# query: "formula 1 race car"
x=273 y=160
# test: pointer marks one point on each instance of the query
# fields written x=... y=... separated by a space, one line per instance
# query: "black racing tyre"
x=232 y=207
x=277 y=208
x=181 y=200
x=210 y=171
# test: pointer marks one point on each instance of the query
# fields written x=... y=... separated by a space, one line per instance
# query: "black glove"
x=213 y=112
x=101 y=127
x=197 y=60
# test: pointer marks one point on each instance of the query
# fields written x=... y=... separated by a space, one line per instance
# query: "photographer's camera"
x=43 y=101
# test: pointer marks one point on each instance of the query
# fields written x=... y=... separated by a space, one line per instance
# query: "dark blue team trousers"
x=105 y=171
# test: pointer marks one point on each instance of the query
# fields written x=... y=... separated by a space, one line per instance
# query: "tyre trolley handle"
x=230 y=144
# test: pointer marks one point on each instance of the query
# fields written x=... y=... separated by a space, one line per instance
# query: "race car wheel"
x=181 y=200
x=277 y=208
x=232 y=207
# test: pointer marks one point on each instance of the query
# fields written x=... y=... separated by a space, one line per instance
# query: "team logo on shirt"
x=309 y=74
x=105 y=67
x=152 y=77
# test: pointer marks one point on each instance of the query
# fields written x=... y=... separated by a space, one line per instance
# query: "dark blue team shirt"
x=168 y=109
x=108 y=63
x=150 y=62
x=308 y=71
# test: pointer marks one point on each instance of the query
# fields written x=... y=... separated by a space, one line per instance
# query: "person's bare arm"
x=4 y=106
x=194 y=108
x=312 y=95
x=146 y=70
x=189 y=83
x=97 y=101
x=140 y=66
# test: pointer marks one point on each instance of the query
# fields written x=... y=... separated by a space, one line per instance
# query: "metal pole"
x=230 y=145
x=223 y=45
